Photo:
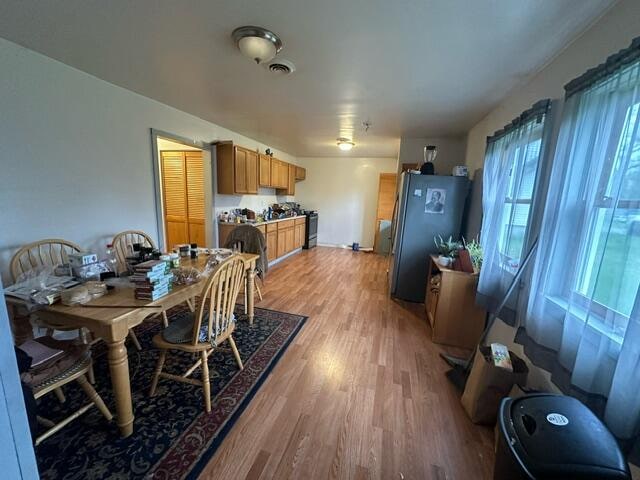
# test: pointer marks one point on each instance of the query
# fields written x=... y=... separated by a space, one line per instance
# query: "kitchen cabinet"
x=301 y=173
x=264 y=170
x=299 y=232
x=290 y=188
x=272 y=245
x=237 y=169
x=282 y=236
x=279 y=174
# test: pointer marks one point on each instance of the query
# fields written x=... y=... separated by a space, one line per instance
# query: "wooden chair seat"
x=73 y=365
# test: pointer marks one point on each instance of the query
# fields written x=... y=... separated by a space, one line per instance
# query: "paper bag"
x=487 y=385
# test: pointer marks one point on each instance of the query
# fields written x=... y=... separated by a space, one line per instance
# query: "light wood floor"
x=360 y=393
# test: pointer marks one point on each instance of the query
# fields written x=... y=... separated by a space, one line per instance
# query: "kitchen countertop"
x=255 y=224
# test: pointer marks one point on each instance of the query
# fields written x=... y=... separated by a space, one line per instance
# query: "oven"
x=311 y=232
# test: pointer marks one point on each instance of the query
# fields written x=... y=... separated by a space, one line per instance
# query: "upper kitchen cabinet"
x=264 y=170
x=301 y=173
x=290 y=188
x=237 y=169
x=279 y=174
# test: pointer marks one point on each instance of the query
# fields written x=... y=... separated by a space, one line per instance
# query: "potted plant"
x=447 y=249
x=475 y=252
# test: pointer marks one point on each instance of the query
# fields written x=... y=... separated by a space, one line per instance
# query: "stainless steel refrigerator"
x=426 y=206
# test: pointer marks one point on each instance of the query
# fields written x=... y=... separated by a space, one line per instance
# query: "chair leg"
x=191 y=304
x=245 y=295
x=165 y=319
x=91 y=375
x=60 y=394
x=259 y=292
x=235 y=352
x=95 y=398
x=156 y=374
x=206 y=386
x=50 y=332
x=134 y=339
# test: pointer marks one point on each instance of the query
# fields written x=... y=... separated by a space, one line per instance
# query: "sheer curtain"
x=510 y=176
x=584 y=307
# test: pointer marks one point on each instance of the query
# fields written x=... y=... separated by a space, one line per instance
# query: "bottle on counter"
x=194 y=250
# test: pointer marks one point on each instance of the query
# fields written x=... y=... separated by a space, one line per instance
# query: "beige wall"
x=76 y=157
x=610 y=33
x=345 y=193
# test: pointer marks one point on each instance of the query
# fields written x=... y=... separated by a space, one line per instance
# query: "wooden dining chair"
x=123 y=245
x=49 y=253
x=76 y=368
x=238 y=246
x=203 y=331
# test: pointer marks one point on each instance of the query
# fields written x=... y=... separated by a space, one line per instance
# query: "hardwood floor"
x=360 y=393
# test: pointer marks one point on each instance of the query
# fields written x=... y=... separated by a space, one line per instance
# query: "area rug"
x=173 y=437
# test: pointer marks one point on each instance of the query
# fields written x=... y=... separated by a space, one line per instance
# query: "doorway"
x=184 y=199
x=384 y=213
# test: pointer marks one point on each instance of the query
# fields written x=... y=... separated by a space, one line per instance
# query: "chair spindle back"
x=123 y=240
x=48 y=252
x=219 y=296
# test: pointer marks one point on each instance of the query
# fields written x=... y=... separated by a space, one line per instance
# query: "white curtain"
x=510 y=173
x=584 y=303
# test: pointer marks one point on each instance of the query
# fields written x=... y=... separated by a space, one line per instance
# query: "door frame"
x=209 y=196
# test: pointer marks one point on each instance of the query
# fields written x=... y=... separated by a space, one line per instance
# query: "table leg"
x=251 y=278
x=119 y=369
x=20 y=325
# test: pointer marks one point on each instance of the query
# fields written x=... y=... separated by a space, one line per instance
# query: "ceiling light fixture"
x=257 y=43
x=345 y=144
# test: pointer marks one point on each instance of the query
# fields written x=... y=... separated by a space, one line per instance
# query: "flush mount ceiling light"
x=257 y=43
x=345 y=144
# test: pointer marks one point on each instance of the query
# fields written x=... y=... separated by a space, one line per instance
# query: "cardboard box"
x=81 y=259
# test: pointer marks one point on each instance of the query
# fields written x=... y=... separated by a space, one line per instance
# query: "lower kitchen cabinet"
x=282 y=236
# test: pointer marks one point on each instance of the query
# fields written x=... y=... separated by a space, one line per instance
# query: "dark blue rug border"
x=211 y=450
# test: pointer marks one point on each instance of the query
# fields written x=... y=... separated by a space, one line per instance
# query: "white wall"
x=76 y=157
x=345 y=193
x=610 y=33
x=451 y=152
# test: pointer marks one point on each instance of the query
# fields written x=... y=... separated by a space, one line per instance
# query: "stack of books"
x=153 y=279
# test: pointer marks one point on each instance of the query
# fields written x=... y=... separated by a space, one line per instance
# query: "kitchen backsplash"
x=257 y=203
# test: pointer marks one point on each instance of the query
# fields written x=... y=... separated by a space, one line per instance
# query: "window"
x=614 y=227
x=518 y=199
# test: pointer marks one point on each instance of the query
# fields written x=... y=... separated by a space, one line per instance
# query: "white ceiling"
x=413 y=67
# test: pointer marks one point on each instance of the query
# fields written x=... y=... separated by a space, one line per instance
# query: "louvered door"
x=195 y=197
x=183 y=197
x=174 y=195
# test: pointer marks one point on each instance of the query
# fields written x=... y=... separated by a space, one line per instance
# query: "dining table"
x=111 y=316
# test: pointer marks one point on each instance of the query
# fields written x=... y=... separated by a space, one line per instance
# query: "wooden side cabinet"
x=454 y=317
x=301 y=173
x=237 y=169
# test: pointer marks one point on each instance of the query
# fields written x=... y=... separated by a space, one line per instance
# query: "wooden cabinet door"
x=297 y=236
x=251 y=159
x=301 y=173
x=289 y=240
x=240 y=170
x=264 y=171
x=291 y=180
x=194 y=165
x=281 y=242
x=272 y=245
x=284 y=175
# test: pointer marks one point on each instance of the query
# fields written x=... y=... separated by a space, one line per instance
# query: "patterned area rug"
x=173 y=437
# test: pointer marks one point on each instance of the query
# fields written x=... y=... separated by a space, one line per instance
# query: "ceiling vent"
x=282 y=67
